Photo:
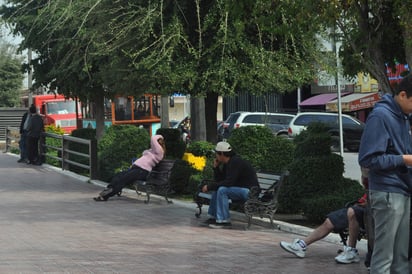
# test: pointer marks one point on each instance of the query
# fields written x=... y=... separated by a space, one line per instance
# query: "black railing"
x=61 y=151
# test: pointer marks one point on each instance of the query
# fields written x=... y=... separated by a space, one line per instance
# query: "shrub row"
x=315 y=187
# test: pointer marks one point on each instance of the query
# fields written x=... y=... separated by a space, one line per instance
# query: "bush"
x=201 y=148
x=175 y=147
x=118 y=146
x=314 y=141
x=265 y=151
x=54 y=143
x=316 y=185
x=180 y=175
x=318 y=207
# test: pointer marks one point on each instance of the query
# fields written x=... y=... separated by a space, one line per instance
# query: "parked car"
x=277 y=122
x=352 y=128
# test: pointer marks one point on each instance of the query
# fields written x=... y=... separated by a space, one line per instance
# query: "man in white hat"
x=233 y=177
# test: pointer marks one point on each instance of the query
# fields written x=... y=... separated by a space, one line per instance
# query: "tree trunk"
x=164 y=114
x=211 y=102
x=197 y=116
x=99 y=104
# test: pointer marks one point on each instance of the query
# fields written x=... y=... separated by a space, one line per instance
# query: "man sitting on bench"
x=233 y=178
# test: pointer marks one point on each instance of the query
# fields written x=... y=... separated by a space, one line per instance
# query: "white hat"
x=223 y=147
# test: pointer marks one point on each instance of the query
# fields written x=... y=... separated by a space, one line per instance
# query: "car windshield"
x=61 y=107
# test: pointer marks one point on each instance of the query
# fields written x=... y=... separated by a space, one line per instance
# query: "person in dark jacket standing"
x=387 y=151
x=34 y=130
x=234 y=177
x=23 y=135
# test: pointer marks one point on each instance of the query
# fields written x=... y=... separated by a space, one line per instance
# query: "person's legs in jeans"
x=388 y=210
x=223 y=194
x=400 y=257
x=212 y=205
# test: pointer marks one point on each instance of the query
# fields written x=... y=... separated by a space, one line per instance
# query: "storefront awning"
x=354 y=102
x=321 y=99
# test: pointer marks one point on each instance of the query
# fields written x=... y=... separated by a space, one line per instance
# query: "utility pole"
x=30 y=77
x=337 y=82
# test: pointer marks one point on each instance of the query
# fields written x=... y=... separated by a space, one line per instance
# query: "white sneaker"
x=294 y=248
x=348 y=256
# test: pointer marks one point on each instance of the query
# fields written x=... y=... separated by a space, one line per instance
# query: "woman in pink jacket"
x=139 y=170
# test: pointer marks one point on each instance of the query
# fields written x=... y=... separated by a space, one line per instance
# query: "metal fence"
x=61 y=150
x=10 y=117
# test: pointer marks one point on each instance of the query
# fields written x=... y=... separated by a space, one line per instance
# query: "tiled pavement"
x=50 y=224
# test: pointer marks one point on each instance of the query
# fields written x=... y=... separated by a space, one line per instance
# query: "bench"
x=157 y=181
x=262 y=202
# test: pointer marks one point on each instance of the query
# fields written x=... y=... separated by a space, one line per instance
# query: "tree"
x=374 y=34
x=63 y=38
x=211 y=48
x=91 y=49
x=11 y=76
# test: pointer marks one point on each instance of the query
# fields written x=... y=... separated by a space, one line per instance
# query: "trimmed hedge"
x=316 y=185
x=265 y=151
x=118 y=146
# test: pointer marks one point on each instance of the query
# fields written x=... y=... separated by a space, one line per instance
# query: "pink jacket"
x=152 y=156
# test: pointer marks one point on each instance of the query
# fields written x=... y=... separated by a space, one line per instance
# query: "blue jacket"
x=386 y=137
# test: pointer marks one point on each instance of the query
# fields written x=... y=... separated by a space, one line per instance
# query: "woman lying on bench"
x=139 y=170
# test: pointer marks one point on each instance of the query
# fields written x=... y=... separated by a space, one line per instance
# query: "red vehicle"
x=56 y=110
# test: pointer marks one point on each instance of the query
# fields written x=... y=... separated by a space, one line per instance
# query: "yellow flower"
x=198 y=162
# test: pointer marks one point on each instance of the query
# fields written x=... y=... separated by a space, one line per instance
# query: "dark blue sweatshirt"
x=386 y=137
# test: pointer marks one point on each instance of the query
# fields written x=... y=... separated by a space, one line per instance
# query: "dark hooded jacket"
x=237 y=172
x=386 y=138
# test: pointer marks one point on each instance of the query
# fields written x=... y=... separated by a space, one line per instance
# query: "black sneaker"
x=21 y=161
x=220 y=225
x=210 y=221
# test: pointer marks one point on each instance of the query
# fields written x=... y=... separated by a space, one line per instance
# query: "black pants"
x=122 y=179
x=33 y=149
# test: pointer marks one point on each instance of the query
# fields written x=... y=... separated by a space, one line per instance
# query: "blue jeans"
x=219 y=203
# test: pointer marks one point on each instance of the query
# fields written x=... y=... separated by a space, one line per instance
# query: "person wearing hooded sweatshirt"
x=139 y=170
x=387 y=151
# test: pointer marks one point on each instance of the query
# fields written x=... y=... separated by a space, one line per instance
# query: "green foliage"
x=201 y=148
x=310 y=177
x=54 y=145
x=318 y=207
x=314 y=141
x=180 y=175
x=193 y=185
x=264 y=151
x=175 y=147
x=118 y=146
x=316 y=185
x=11 y=77
x=84 y=133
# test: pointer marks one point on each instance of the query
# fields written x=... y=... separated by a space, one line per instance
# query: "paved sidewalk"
x=50 y=224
